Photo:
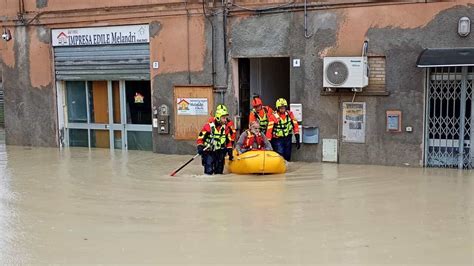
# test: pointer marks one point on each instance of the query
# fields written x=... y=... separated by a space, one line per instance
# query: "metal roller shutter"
x=108 y=62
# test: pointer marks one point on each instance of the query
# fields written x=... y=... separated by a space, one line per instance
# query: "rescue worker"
x=252 y=139
x=261 y=114
x=230 y=123
x=214 y=141
x=280 y=132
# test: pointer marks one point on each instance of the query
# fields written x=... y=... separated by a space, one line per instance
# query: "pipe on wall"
x=213 y=72
x=306 y=21
x=188 y=45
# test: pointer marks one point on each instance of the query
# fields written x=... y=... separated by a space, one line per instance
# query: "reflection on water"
x=100 y=206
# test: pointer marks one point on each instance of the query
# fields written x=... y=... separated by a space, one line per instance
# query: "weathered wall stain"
x=40 y=59
x=155 y=28
x=41 y=3
x=30 y=113
x=357 y=21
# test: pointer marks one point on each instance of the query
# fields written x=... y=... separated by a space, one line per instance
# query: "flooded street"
x=97 y=206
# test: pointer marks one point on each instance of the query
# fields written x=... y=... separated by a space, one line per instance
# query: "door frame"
x=64 y=126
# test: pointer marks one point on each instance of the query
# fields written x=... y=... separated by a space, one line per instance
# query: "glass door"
x=88 y=114
x=109 y=114
x=137 y=115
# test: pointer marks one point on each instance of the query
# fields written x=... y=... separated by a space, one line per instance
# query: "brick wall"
x=376 y=73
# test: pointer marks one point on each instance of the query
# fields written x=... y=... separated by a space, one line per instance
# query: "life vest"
x=284 y=126
x=253 y=139
x=218 y=137
x=262 y=121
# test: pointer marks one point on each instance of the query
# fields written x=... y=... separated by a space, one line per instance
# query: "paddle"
x=184 y=165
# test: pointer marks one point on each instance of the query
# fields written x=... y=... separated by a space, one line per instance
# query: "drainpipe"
x=306 y=21
x=224 y=28
x=212 y=44
x=188 y=44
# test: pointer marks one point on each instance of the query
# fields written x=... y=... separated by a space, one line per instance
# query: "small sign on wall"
x=192 y=106
x=354 y=122
x=394 y=121
x=297 y=109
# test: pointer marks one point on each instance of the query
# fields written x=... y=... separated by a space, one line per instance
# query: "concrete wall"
x=398 y=32
x=341 y=33
x=30 y=110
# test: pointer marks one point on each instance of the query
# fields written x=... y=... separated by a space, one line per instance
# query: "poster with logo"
x=354 y=122
x=101 y=35
x=192 y=106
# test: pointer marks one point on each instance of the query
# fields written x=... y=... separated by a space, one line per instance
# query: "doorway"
x=107 y=114
x=267 y=77
x=449 y=120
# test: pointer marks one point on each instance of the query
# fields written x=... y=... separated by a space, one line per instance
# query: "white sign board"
x=330 y=150
x=131 y=34
x=297 y=109
x=354 y=122
x=192 y=106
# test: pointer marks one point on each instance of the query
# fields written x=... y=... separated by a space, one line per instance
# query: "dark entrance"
x=268 y=78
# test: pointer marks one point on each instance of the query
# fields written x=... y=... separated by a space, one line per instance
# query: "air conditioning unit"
x=346 y=72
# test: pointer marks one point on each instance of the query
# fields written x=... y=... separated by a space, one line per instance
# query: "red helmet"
x=256 y=102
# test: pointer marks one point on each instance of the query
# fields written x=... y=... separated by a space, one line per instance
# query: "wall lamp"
x=6 y=35
x=464 y=26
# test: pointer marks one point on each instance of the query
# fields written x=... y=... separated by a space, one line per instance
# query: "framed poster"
x=354 y=122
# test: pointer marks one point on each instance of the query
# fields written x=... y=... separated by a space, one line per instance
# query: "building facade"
x=147 y=74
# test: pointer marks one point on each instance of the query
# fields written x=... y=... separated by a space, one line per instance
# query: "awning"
x=441 y=57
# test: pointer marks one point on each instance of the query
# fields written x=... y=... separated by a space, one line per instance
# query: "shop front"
x=103 y=87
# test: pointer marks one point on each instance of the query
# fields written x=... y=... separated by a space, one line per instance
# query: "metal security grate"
x=449 y=117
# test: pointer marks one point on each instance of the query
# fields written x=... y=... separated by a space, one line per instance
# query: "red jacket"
x=206 y=133
x=252 y=139
x=276 y=118
x=230 y=125
x=249 y=141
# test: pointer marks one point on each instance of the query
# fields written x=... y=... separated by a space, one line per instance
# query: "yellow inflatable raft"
x=258 y=162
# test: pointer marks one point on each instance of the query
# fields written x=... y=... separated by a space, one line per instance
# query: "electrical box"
x=163 y=124
x=310 y=135
x=394 y=121
x=330 y=150
x=297 y=109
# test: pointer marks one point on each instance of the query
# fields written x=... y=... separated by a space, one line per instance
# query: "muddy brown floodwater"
x=97 y=206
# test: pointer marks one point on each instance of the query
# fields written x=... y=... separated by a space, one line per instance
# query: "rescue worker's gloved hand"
x=298 y=144
x=231 y=155
x=200 y=149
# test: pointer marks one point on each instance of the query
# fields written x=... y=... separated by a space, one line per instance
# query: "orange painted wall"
x=357 y=22
x=169 y=47
x=40 y=61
